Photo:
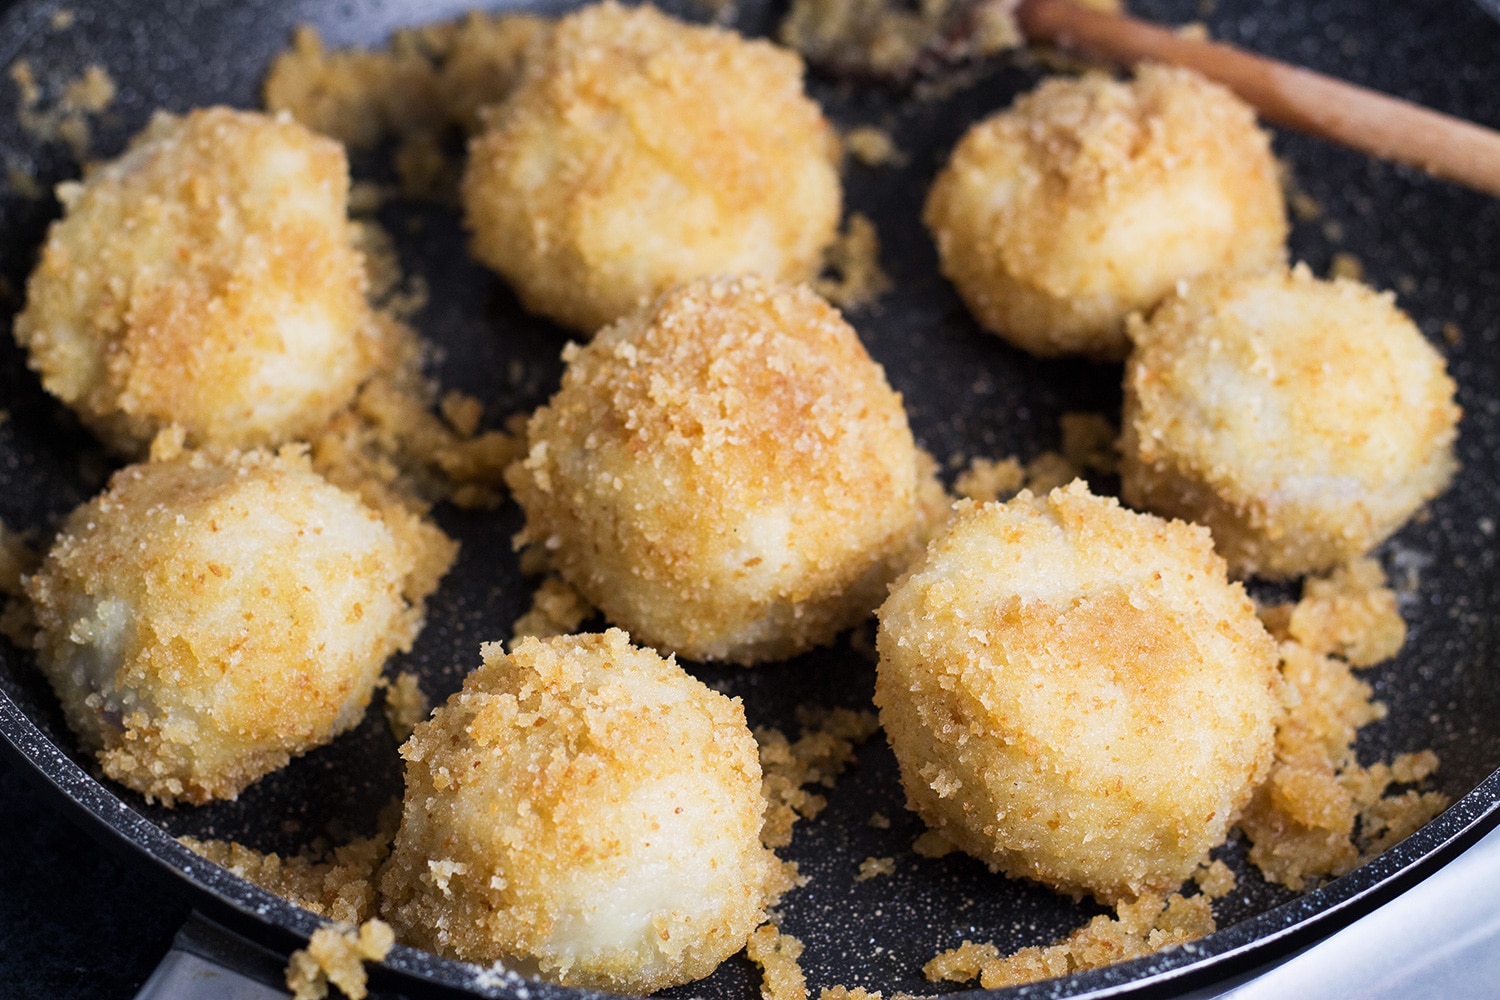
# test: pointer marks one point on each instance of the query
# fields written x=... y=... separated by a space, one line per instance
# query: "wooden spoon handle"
x=1319 y=105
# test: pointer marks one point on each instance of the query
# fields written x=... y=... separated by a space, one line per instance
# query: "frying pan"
x=967 y=393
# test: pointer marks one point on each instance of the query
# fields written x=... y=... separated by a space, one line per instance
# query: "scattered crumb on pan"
x=853 y=277
x=1139 y=928
x=338 y=882
x=1320 y=813
x=68 y=118
x=337 y=955
x=873 y=867
x=17 y=559
x=556 y=609
x=873 y=147
x=777 y=954
x=406 y=704
x=817 y=757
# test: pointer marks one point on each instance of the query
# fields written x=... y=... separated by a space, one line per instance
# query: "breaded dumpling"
x=1302 y=421
x=1090 y=198
x=726 y=474
x=639 y=152
x=205 y=620
x=1075 y=693
x=206 y=278
x=585 y=810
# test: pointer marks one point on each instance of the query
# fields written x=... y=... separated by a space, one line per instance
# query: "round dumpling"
x=205 y=279
x=1302 y=421
x=1091 y=198
x=1075 y=693
x=726 y=474
x=585 y=810
x=205 y=620
x=639 y=152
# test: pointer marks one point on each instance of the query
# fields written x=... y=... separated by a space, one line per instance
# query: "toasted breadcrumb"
x=875 y=867
x=425 y=79
x=1320 y=813
x=556 y=609
x=338 y=884
x=873 y=147
x=879 y=821
x=391 y=445
x=1346 y=265
x=1350 y=613
x=1305 y=207
x=337 y=955
x=860 y=993
x=887 y=39
x=932 y=844
x=1139 y=928
x=819 y=756
x=88 y=94
x=406 y=705
x=854 y=262
x=1215 y=880
x=776 y=954
x=988 y=479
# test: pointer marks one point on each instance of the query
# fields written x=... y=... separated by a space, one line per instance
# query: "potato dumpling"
x=1075 y=693
x=1091 y=198
x=205 y=620
x=585 y=810
x=639 y=152
x=1302 y=421
x=726 y=474
x=206 y=279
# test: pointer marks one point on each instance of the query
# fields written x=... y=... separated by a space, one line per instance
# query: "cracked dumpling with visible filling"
x=639 y=152
x=205 y=279
x=727 y=474
x=1301 y=421
x=204 y=620
x=1075 y=693
x=585 y=810
x=1091 y=198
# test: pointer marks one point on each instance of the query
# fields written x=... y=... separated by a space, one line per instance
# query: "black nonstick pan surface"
x=967 y=394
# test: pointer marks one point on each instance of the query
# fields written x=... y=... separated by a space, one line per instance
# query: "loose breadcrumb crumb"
x=1320 y=813
x=406 y=705
x=987 y=480
x=879 y=821
x=873 y=147
x=875 y=867
x=337 y=955
x=556 y=609
x=853 y=260
x=1139 y=928
x=1453 y=334
x=891 y=40
x=776 y=954
x=1346 y=265
x=1350 y=613
x=932 y=844
x=1215 y=880
x=86 y=95
x=819 y=756
x=338 y=884
x=62 y=19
